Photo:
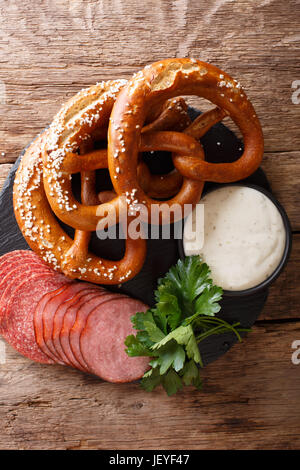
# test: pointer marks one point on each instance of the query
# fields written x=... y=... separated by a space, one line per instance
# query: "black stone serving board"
x=161 y=253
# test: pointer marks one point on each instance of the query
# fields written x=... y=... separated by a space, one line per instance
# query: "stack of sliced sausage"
x=51 y=319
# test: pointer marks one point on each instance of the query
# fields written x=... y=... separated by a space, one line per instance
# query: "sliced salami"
x=58 y=325
x=19 y=331
x=68 y=321
x=20 y=262
x=13 y=254
x=17 y=257
x=53 y=315
x=38 y=319
x=11 y=271
x=14 y=279
x=51 y=319
x=80 y=322
x=102 y=341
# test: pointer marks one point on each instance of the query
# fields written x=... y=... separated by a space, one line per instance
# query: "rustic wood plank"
x=52 y=49
x=283 y=172
x=283 y=300
x=250 y=400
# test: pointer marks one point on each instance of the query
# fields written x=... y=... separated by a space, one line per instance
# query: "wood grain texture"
x=250 y=400
x=283 y=300
x=48 y=51
x=283 y=171
x=51 y=49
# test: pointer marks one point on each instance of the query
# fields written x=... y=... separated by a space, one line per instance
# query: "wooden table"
x=48 y=51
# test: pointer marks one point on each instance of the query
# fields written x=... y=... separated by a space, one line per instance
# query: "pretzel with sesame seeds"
x=154 y=85
x=78 y=120
x=48 y=239
x=143 y=115
x=31 y=204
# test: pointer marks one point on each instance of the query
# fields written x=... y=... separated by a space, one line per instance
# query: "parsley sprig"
x=184 y=315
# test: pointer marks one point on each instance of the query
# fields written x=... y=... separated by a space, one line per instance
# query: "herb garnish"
x=184 y=314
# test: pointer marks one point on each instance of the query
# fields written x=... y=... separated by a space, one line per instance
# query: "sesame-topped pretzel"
x=144 y=115
x=154 y=85
x=48 y=239
x=86 y=114
x=31 y=204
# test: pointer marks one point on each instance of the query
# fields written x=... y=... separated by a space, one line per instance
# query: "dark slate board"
x=161 y=254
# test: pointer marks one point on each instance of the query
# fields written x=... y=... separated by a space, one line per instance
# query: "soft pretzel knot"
x=145 y=114
x=45 y=184
x=85 y=117
x=154 y=85
x=31 y=204
x=47 y=238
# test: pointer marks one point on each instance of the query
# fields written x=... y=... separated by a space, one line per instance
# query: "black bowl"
x=288 y=242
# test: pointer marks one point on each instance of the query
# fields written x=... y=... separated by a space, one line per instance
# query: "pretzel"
x=84 y=115
x=173 y=115
x=154 y=85
x=33 y=213
x=158 y=186
x=144 y=115
x=47 y=238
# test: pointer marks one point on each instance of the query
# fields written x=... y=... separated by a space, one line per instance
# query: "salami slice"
x=68 y=321
x=20 y=262
x=38 y=319
x=56 y=307
x=19 y=331
x=102 y=341
x=14 y=279
x=17 y=257
x=80 y=322
x=9 y=272
x=58 y=325
x=12 y=255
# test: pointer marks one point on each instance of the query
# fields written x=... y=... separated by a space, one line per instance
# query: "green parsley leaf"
x=207 y=303
x=171 y=354
x=181 y=335
x=192 y=350
x=167 y=302
x=190 y=375
x=151 y=380
x=171 y=382
x=155 y=333
x=189 y=278
x=136 y=348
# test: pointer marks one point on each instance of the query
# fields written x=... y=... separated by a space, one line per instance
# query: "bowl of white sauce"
x=242 y=233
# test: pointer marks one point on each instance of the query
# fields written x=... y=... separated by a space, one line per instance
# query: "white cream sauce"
x=243 y=236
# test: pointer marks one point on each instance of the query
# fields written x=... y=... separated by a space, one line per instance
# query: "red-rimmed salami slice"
x=80 y=322
x=58 y=325
x=56 y=306
x=18 y=261
x=38 y=318
x=19 y=330
x=14 y=254
x=17 y=257
x=11 y=271
x=14 y=279
x=68 y=321
x=102 y=341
